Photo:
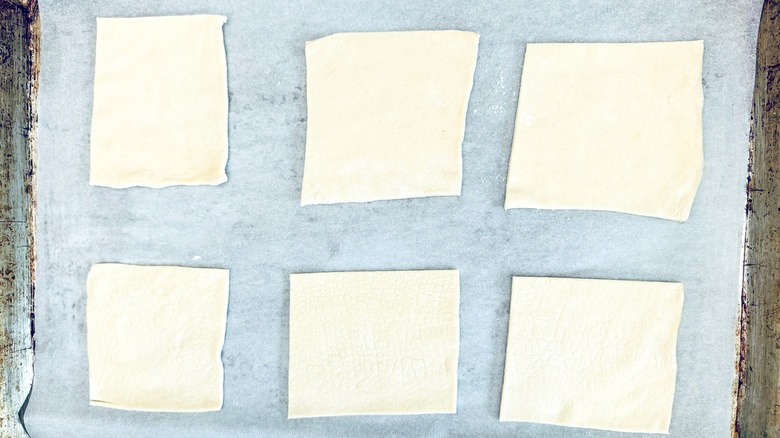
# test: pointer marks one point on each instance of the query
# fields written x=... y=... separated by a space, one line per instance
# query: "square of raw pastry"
x=160 y=102
x=386 y=114
x=373 y=343
x=609 y=127
x=592 y=353
x=155 y=335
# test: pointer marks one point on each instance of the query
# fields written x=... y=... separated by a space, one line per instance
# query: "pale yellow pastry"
x=373 y=343
x=592 y=353
x=386 y=114
x=155 y=335
x=160 y=102
x=609 y=127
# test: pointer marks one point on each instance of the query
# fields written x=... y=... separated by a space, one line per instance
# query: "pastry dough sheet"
x=386 y=114
x=592 y=353
x=155 y=336
x=160 y=107
x=609 y=127
x=373 y=343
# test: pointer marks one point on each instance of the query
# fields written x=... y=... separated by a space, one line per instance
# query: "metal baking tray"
x=253 y=224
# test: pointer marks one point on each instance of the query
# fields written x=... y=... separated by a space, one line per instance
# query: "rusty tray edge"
x=19 y=69
x=758 y=364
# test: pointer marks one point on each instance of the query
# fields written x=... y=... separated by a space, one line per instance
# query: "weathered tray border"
x=757 y=412
x=19 y=67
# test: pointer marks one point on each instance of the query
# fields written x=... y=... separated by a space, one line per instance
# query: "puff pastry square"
x=160 y=103
x=386 y=115
x=592 y=353
x=373 y=343
x=154 y=337
x=609 y=127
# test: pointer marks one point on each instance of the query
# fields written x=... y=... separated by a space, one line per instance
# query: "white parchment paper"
x=254 y=226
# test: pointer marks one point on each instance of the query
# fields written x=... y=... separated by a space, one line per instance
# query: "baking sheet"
x=254 y=225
